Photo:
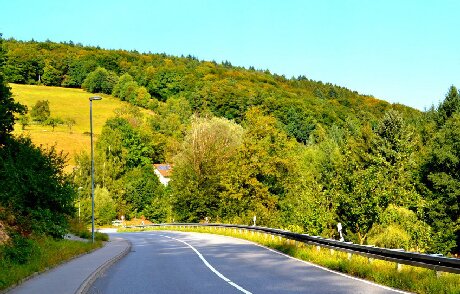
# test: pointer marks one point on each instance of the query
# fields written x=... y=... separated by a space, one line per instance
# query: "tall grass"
x=408 y=278
x=46 y=252
x=65 y=103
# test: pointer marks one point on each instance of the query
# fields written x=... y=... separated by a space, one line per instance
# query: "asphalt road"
x=175 y=262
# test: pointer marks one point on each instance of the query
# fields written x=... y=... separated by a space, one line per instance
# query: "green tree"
x=441 y=173
x=142 y=97
x=51 y=76
x=53 y=122
x=449 y=106
x=261 y=174
x=78 y=69
x=24 y=120
x=166 y=83
x=8 y=107
x=70 y=122
x=100 y=81
x=128 y=91
x=297 y=123
x=379 y=170
x=142 y=188
x=125 y=78
x=196 y=183
x=311 y=203
x=41 y=111
x=104 y=207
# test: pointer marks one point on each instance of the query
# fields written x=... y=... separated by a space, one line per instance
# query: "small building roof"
x=164 y=169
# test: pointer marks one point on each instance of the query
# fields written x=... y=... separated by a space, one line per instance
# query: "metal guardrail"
x=431 y=261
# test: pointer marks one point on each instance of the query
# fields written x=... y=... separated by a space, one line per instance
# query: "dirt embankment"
x=3 y=235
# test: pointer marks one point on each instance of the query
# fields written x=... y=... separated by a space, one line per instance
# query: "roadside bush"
x=400 y=227
x=389 y=237
x=20 y=249
x=101 y=236
x=35 y=187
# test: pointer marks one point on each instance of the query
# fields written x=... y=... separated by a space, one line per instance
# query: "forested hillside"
x=297 y=153
x=224 y=90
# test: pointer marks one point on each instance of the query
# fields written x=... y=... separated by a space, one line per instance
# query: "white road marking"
x=211 y=267
x=296 y=259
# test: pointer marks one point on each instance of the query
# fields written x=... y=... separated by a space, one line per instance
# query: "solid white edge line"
x=210 y=266
x=329 y=270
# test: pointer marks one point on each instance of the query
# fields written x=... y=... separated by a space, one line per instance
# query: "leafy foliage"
x=41 y=111
x=8 y=107
x=208 y=147
x=35 y=187
x=400 y=227
x=442 y=178
x=100 y=81
x=124 y=171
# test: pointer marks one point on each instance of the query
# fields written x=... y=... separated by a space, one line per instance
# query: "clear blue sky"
x=403 y=51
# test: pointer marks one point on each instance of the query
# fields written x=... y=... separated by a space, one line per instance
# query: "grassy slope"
x=65 y=103
x=48 y=254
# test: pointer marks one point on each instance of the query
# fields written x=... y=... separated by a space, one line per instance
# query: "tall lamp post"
x=92 y=160
x=79 y=202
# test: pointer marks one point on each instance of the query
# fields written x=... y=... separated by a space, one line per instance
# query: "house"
x=163 y=172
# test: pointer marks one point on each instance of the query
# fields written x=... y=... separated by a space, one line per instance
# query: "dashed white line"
x=220 y=275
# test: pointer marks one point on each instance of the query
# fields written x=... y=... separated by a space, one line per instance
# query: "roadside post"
x=92 y=160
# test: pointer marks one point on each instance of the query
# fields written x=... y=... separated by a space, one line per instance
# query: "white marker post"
x=339 y=228
x=254 y=220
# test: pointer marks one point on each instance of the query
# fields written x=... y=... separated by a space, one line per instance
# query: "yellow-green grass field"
x=65 y=103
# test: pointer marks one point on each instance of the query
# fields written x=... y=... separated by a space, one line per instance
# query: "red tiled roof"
x=164 y=169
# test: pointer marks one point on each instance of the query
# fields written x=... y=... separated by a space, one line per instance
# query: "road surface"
x=176 y=262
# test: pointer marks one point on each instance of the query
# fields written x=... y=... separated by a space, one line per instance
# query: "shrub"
x=389 y=237
x=101 y=236
x=35 y=187
x=20 y=249
x=40 y=111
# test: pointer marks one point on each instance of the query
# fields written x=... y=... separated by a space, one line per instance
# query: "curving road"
x=176 y=262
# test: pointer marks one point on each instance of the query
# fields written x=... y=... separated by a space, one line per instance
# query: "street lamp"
x=92 y=160
x=79 y=202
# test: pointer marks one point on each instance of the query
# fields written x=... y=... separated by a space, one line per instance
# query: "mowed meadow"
x=65 y=103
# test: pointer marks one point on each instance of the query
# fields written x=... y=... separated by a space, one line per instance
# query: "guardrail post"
x=332 y=251
x=349 y=256
x=399 y=267
x=318 y=248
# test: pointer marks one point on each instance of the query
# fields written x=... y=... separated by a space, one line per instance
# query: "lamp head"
x=95 y=98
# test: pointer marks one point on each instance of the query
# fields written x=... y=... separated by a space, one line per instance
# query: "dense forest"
x=299 y=154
